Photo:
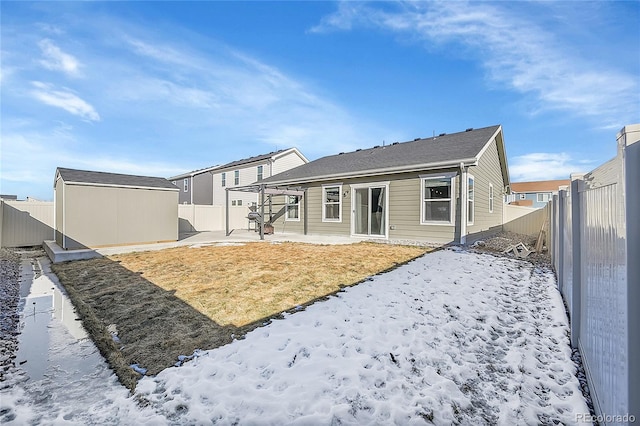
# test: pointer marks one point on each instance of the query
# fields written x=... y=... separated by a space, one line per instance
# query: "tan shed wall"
x=101 y=216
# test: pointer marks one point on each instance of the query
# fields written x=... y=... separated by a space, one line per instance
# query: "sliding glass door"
x=369 y=211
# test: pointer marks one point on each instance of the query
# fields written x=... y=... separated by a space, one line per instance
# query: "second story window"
x=186 y=185
x=236 y=177
x=260 y=172
x=224 y=179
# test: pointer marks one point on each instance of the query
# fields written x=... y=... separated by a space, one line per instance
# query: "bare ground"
x=171 y=302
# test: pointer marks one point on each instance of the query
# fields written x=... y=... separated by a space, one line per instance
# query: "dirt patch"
x=497 y=244
x=168 y=303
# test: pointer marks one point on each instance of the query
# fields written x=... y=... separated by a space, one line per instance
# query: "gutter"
x=378 y=172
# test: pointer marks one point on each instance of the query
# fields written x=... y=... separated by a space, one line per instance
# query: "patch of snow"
x=452 y=337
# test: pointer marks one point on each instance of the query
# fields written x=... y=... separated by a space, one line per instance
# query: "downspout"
x=463 y=204
x=54 y=214
x=64 y=221
x=191 y=189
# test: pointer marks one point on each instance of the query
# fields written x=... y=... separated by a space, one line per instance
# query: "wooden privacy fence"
x=595 y=249
x=25 y=223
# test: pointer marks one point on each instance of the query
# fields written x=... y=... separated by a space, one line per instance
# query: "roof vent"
x=377 y=146
x=442 y=134
x=416 y=139
x=396 y=143
x=469 y=129
x=359 y=149
x=341 y=153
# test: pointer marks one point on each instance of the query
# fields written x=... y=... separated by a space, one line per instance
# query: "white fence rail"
x=25 y=223
x=595 y=230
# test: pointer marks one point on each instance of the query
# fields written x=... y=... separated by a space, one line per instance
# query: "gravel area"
x=9 y=314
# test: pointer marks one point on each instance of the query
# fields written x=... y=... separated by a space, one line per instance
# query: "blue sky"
x=161 y=88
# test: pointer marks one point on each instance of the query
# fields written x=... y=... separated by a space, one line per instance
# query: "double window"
x=332 y=203
x=437 y=200
x=293 y=208
x=543 y=198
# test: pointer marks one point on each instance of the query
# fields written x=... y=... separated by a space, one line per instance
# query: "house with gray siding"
x=207 y=186
x=440 y=189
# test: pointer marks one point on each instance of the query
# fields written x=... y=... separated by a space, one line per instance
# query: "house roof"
x=86 y=177
x=237 y=163
x=420 y=154
x=539 y=186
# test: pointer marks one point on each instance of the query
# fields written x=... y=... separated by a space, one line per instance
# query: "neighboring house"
x=437 y=190
x=207 y=186
x=534 y=194
x=97 y=209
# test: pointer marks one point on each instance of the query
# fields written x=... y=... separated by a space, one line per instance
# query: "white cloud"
x=545 y=166
x=65 y=99
x=516 y=52
x=57 y=60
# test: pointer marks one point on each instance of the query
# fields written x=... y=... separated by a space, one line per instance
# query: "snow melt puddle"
x=60 y=377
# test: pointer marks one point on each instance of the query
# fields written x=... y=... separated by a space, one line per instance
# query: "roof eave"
x=379 y=172
x=110 y=185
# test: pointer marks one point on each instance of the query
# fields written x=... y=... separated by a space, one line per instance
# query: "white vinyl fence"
x=198 y=218
x=595 y=246
x=25 y=223
x=526 y=220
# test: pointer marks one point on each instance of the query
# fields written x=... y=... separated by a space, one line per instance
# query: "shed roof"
x=539 y=186
x=86 y=177
x=423 y=153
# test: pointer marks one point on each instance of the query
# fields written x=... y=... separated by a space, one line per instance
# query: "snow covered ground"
x=451 y=338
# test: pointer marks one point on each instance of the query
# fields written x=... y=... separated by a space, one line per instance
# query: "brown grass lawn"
x=170 y=302
x=238 y=285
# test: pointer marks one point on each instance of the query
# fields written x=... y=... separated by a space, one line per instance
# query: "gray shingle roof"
x=115 y=179
x=451 y=148
x=231 y=164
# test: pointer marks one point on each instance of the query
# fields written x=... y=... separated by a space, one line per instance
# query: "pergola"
x=266 y=192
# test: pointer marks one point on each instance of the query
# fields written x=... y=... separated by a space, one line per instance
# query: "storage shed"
x=97 y=209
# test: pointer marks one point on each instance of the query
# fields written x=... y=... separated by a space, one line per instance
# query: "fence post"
x=554 y=234
x=562 y=195
x=631 y=152
x=1 y=219
x=576 y=291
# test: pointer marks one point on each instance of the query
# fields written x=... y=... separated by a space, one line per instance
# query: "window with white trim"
x=239 y=202
x=236 y=177
x=490 y=198
x=470 y=199
x=260 y=172
x=543 y=198
x=186 y=185
x=224 y=179
x=437 y=202
x=233 y=202
x=332 y=203
x=292 y=211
